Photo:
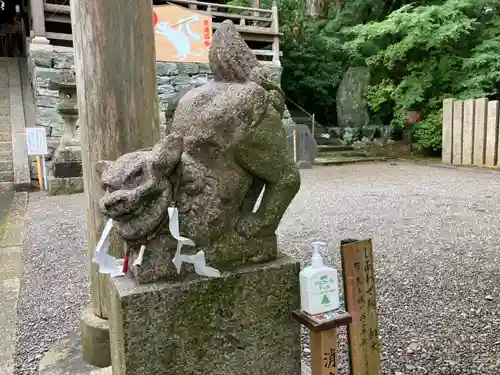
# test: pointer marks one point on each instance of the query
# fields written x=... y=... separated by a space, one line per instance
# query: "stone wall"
x=174 y=80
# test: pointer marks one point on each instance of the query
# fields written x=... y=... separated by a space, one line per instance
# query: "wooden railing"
x=254 y=24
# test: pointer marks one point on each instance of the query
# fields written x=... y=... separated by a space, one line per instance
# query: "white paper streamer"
x=138 y=261
x=107 y=263
x=198 y=259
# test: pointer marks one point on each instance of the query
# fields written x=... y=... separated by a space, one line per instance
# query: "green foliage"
x=313 y=61
x=428 y=134
x=313 y=67
x=420 y=55
x=314 y=58
x=237 y=3
x=419 y=52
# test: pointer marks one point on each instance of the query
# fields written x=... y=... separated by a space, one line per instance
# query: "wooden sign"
x=181 y=35
x=360 y=302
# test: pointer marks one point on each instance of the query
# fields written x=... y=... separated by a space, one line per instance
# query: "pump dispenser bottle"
x=319 y=286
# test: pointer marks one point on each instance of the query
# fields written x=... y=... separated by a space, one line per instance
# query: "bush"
x=428 y=134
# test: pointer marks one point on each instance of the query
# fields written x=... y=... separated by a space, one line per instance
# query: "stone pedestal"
x=240 y=323
x=66 y=176
x=66 y=172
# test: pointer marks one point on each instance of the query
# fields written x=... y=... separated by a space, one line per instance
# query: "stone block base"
x=94 y=333
x=62 y=186
x=69 y=153
x=240 y=323
x=65 y=358
x=67 y=169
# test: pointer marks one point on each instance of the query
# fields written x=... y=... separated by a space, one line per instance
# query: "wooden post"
x=276 y=30
x=360 y=302
x=492 y=133
x=39 y=171
x=255 y=5
x=324 y=357
x=117 y=101
x=447 y=153
x=38 y=19
x=323 y=339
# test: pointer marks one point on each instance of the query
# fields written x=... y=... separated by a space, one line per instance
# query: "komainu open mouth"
x=144 y=221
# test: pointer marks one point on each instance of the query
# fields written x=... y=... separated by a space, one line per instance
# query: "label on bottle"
x=325 y=293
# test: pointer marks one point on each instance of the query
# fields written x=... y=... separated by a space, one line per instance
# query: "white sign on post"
x=37 y=141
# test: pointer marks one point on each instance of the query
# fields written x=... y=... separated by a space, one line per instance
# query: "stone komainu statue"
x=226 y=145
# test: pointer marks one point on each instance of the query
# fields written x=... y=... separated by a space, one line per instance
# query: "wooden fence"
x=470 y=132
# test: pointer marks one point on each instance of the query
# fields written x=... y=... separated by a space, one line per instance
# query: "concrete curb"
x=22 y=179
x=10 y=279
x=471 y=168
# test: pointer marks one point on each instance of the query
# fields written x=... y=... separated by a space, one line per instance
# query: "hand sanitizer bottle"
x=319 y=287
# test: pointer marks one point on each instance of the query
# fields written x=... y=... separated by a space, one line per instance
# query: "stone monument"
x=352 y=111
x=225 y=307
x=66 y=172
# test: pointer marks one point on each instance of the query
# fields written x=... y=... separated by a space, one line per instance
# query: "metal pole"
x=313 y=121
x=44 y=171
x=295 y=145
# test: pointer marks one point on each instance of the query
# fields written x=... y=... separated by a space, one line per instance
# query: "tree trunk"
x=317 y=8
x=117 y=100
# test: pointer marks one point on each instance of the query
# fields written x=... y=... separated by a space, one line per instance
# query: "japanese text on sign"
x=357 y=264
x=36 y=140
x=206 y=33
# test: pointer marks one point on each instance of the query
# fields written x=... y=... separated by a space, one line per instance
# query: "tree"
x=314 y=60
x=420 y=55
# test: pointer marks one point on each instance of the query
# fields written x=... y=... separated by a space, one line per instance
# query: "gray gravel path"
x=54 y=283
x=435 y=242
x=437 y=254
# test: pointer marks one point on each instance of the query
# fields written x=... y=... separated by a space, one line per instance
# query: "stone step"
x=325 y=148
x=347 y=160
x=6 y=166
x=341 y=153
x=5 y=146
x=7 y=176
x=5 y=127
x=5 y=136
x=6 y=186
x=328 y=141
x=5 y=155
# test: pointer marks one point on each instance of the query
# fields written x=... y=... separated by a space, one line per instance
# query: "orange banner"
x=181 y=35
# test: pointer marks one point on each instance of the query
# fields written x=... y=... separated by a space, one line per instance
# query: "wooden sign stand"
x=360 y=301
x=360 y=318
x=39 y=172
x=323 y=339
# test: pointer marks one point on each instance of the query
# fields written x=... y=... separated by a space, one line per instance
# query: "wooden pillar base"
x=94 y=334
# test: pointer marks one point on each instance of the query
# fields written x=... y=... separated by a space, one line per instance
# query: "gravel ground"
x=436 y=252
x=435 y=245
x=54 y=285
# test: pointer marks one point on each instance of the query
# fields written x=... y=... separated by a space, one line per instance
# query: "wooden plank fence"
x=471 y=132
